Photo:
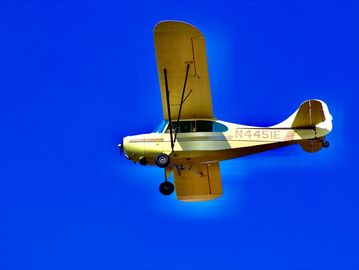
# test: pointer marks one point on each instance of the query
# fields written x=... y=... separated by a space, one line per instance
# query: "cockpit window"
x=184 y=127
x=198 y=126
x=161 y=126
x=204 y=126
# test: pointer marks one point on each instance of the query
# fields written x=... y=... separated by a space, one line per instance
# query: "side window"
x=204 y=126
x=198 y=126
x=218 y=127
x=184 y=127
x=210 y=126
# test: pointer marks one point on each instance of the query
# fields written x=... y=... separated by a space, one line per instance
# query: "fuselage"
x=208 y=140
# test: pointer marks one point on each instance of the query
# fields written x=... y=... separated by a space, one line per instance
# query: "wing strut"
x=173 y=138
x=182 y=101
x=168 y=107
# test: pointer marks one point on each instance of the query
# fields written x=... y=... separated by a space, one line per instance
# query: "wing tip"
x=199 y=198
x=173 y=25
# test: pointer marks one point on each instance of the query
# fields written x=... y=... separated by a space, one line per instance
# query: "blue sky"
x=76 y=77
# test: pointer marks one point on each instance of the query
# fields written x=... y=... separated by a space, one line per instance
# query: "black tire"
x=166 y=188
x=325 y=144
x=143 y=161
x=162 y=160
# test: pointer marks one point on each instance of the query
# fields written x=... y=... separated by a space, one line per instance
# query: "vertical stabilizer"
x=312 y=114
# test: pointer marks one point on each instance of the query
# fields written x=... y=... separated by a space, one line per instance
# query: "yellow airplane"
x=191 y=142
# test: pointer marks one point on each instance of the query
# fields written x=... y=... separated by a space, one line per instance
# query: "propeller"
x=121 y=147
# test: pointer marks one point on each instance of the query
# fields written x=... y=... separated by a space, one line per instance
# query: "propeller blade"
x=121 y=147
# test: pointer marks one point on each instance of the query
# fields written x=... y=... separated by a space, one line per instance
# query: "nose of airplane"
x=122 y=146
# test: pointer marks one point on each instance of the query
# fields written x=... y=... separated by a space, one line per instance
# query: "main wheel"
x=166 y=188
x=325 y=144
x=162 y=160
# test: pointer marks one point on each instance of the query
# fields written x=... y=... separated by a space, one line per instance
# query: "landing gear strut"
x=163 y=160
x=166 y=187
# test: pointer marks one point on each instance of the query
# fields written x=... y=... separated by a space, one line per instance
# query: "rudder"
x=309 y=114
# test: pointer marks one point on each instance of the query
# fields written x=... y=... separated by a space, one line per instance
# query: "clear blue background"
x=76 y=77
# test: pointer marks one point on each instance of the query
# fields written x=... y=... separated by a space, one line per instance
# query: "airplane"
x=190 y=142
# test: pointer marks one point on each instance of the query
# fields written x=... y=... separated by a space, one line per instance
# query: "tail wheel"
x=162 y=160
x=325 y=144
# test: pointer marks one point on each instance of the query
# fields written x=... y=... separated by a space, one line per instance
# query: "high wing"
x=178 y=45
x=198 y=182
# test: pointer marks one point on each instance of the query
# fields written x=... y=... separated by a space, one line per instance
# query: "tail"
x=312 y=114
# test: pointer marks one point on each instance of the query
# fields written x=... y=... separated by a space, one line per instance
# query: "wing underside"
x=180 y=46
x=198 y=182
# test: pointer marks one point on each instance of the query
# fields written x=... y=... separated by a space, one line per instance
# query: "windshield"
x=160 y=127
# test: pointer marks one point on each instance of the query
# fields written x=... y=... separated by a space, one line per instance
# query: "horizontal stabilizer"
x=311 y=146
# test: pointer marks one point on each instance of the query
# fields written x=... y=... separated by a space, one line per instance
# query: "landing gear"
x=166 y=188
x=162 y=160
x=143 y=161
x=325 y=144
